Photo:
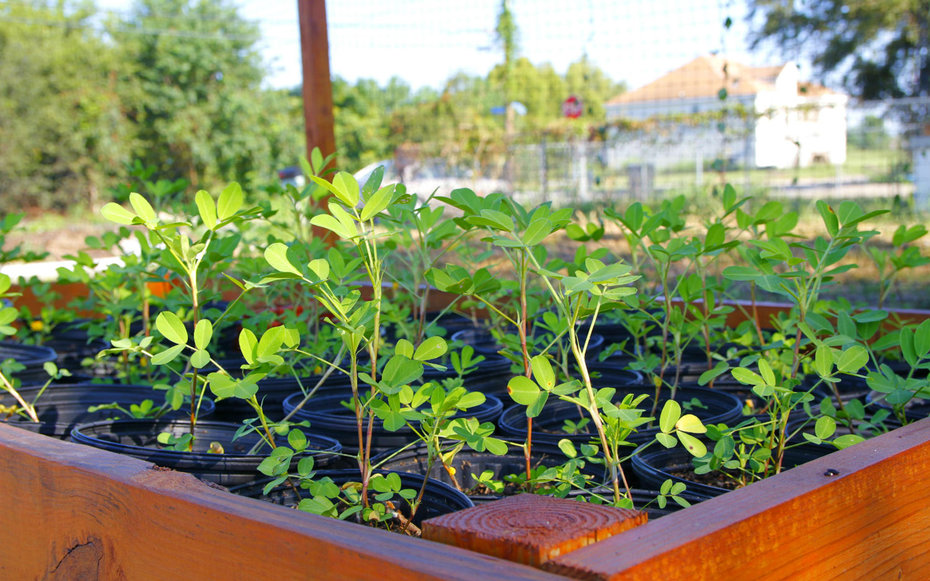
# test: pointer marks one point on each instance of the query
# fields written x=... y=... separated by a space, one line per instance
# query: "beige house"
x=792 y=123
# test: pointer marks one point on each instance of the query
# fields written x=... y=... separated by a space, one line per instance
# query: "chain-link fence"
x=874 y=157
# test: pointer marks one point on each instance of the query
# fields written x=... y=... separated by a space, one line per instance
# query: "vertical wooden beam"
x=529 y=528
x=317 y=86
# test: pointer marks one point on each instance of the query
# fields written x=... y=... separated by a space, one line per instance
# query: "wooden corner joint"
x=529 y=528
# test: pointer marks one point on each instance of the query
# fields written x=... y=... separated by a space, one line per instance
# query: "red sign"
x=572 y=107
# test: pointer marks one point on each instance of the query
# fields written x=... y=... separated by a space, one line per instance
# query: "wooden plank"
x=860 y=513
x=317 y=86
x=72 y=512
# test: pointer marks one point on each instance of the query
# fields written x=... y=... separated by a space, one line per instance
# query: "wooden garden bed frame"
x=73 y=512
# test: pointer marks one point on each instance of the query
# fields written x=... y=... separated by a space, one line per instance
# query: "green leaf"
x=535 y=408
x=377 y=202
x=718 y=370
x=203 y=332
x=171 y=327
x=346 y=188
x=276 y=256
x=116 y=213
x=224 y=386
x=330 y=223
x=206 y=208
x=766 y=370
x=715 y=236
x=666 y=440
x=824 y=427
x=200 y=358
x=741 y=273
x=671 y=412
x=847 y=440
x=907 y=346
x=746 y=376
x=542 y=372
x=568 y=448
x=763 y=390
x=319 y=267
x=870 y=316
x=692 y=444
x=690 y=423
x=142 y=208
x=494 y=219
x=849 y=212
x=401 y=370
x=297 y=440
x=523 y=390
x=230 y=201
x=168 y=355
x=431 y=348
x=247 y=343
x=823 y=361
x=270 y=343
x=829 y=217
x=277 y=462
x=536 y=232
x=404 y=347
x=922 y=339
x=852 y=359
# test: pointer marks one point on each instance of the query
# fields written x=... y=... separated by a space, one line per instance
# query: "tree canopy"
x=881 y=48
x=191 y=82
x=61 y=129
x=171 y=92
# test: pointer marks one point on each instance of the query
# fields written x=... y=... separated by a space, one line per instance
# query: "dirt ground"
x=66 y=239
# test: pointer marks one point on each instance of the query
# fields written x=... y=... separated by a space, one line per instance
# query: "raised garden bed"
x=72 y=512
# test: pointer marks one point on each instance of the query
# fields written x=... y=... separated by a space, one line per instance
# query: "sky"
x=425 y=42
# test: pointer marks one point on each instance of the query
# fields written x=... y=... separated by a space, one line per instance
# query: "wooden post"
x=530 y=529
x=317 y=86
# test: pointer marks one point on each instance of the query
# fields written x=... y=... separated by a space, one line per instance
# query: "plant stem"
x=28 y=408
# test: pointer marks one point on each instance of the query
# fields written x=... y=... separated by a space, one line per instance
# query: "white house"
x=792 y=123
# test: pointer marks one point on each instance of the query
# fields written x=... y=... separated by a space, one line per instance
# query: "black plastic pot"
x=438 y=499
x=138 y=438
x=32 y=357
x=73 y=345
x=693 y=363
x=715 y=407
x=61 y=407
x=484 y=343
x=753 y=404
x=490 y=377
x=327 y=415
x=468 y=463
x=849 y=388
x=444 y=325
x=655 y=465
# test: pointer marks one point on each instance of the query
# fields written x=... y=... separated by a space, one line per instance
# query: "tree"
x=62 y=134
x=193 y=94
x=881 y=48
